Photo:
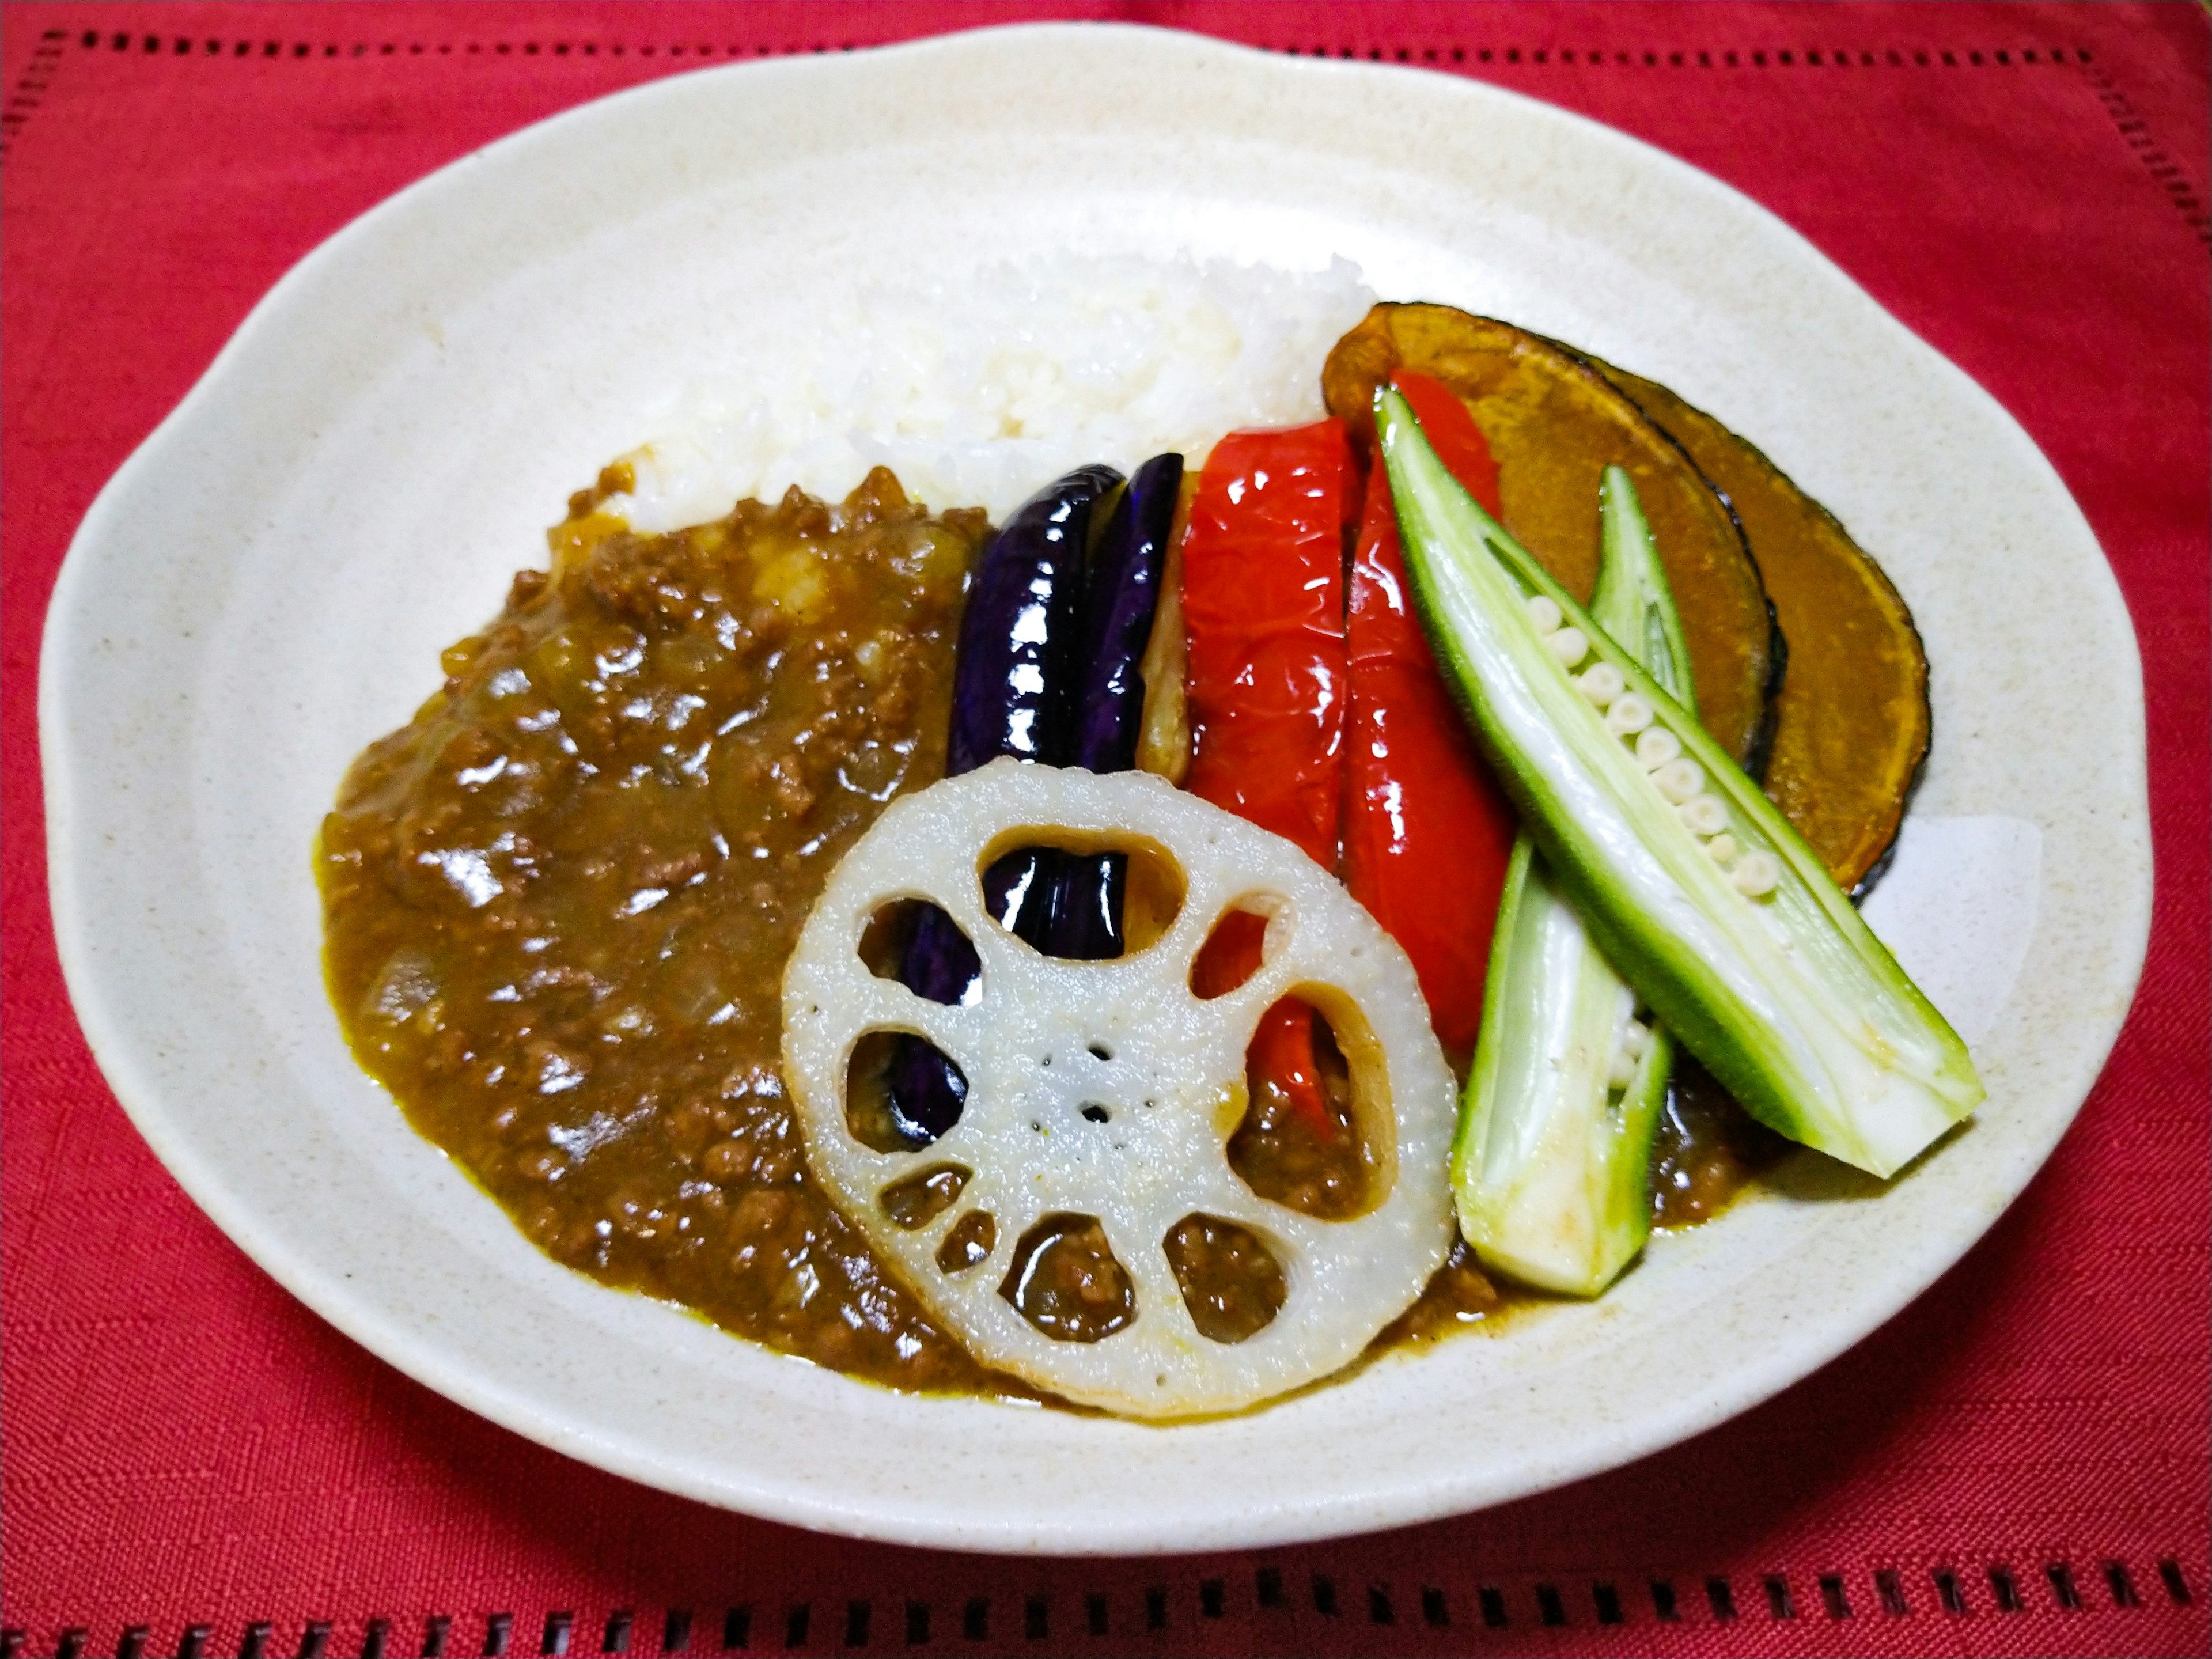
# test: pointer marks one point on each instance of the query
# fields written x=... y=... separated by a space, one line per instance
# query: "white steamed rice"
x=979 y=392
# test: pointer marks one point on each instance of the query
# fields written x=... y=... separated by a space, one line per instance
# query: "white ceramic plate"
x=265 y=586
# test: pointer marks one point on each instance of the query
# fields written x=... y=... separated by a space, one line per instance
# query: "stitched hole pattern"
x=30 y=88
x=24 y=98
x=710 y=1632
x=1588 y=56
x=1893 y=1594
x=1541 y=1604
x=2155 y=161
x=1750 y=58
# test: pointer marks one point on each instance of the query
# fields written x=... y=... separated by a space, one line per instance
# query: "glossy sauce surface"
x=559 y=902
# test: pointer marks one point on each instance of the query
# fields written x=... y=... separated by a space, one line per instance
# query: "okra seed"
x=1629 y=714
x=1622 y=1072
x=1703 y=814
x=1655 y=746
x=1544 y=612
x=1569 y=645
x=1755 y=873
x=1601 y=684
x=1721 y=849
x=1635 y=1038
x=1679 y=780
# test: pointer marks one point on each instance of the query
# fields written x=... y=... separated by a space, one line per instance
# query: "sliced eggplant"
x=1550 y=1165
x=1122 y=592
x=1013 y=681
x=1164 y=748
x=1691 y=882
x=1013 y=694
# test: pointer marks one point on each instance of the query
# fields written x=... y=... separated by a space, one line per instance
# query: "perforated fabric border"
x=1355 y=1596
x=676 y=54
x=1292 y=1613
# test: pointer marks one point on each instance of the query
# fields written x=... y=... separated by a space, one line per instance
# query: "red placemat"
x=196 y=1465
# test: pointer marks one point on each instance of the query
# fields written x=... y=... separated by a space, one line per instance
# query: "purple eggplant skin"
x=1013 y=693
x=1015 y=671
x=925 y=1090
x=1122 y=594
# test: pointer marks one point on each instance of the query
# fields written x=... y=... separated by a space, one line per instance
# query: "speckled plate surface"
x=265 y=586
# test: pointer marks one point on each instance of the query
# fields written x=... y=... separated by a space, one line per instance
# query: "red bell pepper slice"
x=1263 y=600
x=1263 y=603
x=1452 y=432
x=1427 y=833
x=1282 y=1050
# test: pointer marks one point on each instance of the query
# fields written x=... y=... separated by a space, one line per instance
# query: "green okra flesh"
x=1550 y=1165
x=1788 y=998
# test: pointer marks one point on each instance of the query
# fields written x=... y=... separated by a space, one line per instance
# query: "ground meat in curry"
x=559 y=902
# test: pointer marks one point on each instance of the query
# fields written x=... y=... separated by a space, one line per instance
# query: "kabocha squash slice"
x=1852 y=724
x=1554 y=424
x=1694 y=885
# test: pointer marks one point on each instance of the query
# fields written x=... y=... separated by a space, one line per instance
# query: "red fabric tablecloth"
x=195 y=1464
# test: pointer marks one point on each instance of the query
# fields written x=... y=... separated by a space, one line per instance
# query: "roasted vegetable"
x=1164 y=748
x=1121 y=591
x=1263 y=605
x=1550 y=1165
x=1012 y=683
x=1283 y=1052
x=1426 y=830
x=1555 y=424
x=1691 y=882
x=1852 y=725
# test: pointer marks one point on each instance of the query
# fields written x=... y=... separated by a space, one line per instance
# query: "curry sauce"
x=558 y=904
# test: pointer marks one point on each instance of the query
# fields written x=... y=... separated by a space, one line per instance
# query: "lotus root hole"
x=1315 y=1133
x=1231 y=1281
x=1065 y=1280
x=901 y=929
x=901 y=1091
x=1124 y=890
x=1235 y=949
x=968 y=1241
x=915 y=1200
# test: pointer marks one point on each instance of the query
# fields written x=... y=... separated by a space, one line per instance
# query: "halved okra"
x=1551 y=1166
x=1694 y=885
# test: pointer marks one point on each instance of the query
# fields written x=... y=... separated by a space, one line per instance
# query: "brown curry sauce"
x=559 y=902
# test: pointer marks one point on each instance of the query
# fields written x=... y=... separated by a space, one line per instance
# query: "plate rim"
x=106 y=1034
